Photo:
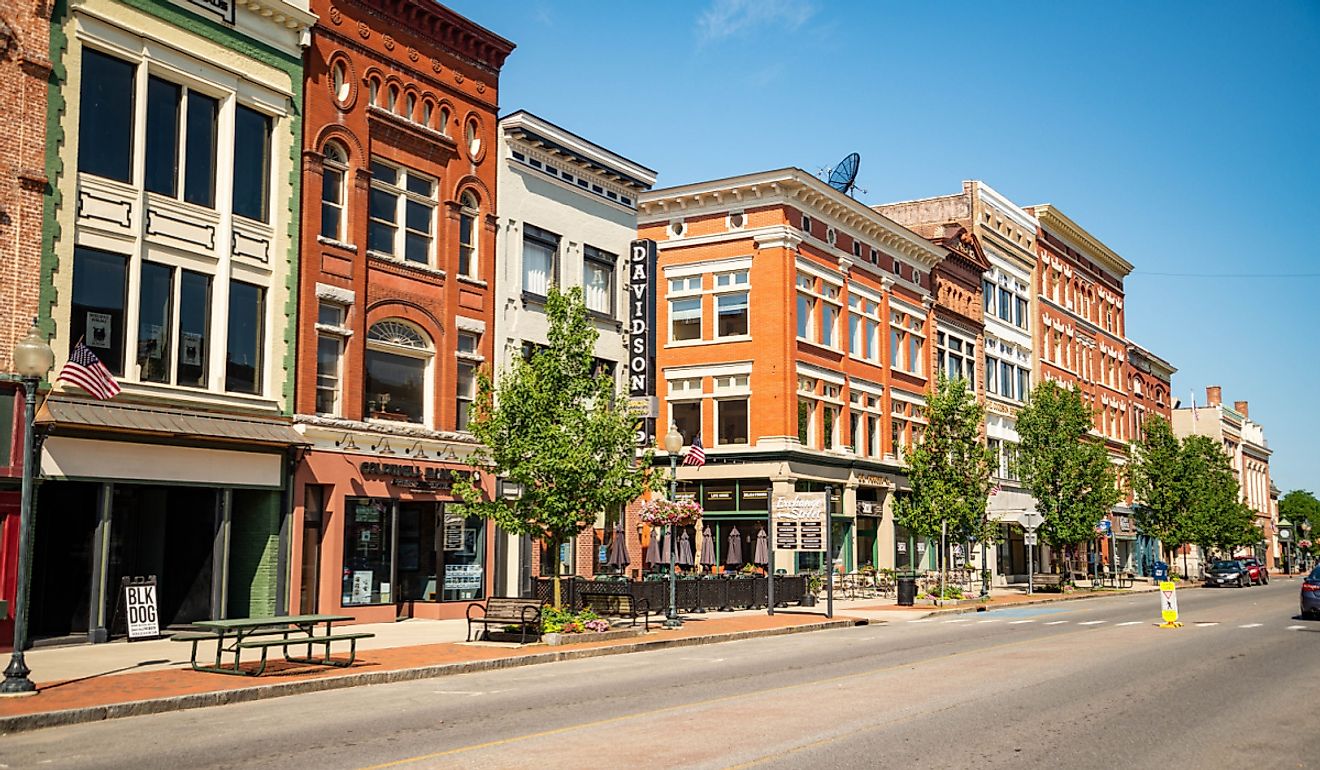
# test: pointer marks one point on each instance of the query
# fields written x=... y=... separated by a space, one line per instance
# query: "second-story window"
x=181 y=136
x=731 y=304
x=467 y=236
x=330 y=340
x=397 y=373
x=540 y=248
x=334 y=171
x=685 y=308
x=401 y=208
x=247 y=332
x=469 y=345
x=105 y=117
x=598 y=280
x=251 y=180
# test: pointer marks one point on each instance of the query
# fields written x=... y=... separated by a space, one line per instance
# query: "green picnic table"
x=233 y=636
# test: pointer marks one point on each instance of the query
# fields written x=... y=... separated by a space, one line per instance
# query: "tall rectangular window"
x=467 y=393
x=155 y=296
x=199 y=160
x=162 y=171
x=246 y=332
x=731 y=416
x=806 y=312
x=539 y=249
x=598 y=280
x=194 y=329
x=991 y=375
x=401 y=213
x=1005 y=304
x=829 y=319
x=732 y=310
x=988 y=296
x=251 y=180
x=332 y=202
x=1006 y=379
x=685 y=319
x=804 y=421
x=687 y=416
x=105 y=117
x=329 y=354
x=1024 y=384
x=100 y=288
x=1022 y=313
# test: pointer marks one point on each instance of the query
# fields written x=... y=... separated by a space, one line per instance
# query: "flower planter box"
x=555 y=640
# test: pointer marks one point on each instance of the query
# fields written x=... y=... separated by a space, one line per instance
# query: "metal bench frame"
x=525 y=620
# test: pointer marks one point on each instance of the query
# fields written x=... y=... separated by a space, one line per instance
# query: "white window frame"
x=402 y=195
x=428 y=373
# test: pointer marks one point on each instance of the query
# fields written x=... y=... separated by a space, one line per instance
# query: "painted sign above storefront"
x=221 y=9
x=415 y=476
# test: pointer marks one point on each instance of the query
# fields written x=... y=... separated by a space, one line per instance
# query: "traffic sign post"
x=1169 y=605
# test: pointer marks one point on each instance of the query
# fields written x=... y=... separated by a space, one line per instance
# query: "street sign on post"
x=1169 y=605
x=1032 y=520
x=1031 y=538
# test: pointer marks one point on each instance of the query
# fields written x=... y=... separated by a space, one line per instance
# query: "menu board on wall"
x=799 y=520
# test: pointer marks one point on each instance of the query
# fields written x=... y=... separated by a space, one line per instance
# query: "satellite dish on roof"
x=843 y=177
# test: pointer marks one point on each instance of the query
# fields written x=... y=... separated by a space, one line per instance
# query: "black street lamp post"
x=33 y=359
x=673 y=445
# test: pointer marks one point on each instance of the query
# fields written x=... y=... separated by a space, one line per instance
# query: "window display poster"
x=191 y=354
x=463 y=577
x=384 y=593
x=361 y=590
x=454 y=533
x=98 y=331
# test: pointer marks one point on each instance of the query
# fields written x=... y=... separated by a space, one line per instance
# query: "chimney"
x=1241 y=407
x=1213 y=394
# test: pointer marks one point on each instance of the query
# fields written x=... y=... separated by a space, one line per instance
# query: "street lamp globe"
x=673 y=440
x=32 y=355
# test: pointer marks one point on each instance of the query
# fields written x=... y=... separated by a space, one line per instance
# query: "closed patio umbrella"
x=707 y=548
x=734 y=556
x=653 y=554
x=762 y=554
x=618 y=555
x=683 y=557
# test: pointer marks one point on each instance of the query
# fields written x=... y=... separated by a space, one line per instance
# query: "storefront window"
x=464 y=542
x=367 y=552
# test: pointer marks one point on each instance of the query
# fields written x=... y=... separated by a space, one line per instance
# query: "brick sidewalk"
x=107 y=696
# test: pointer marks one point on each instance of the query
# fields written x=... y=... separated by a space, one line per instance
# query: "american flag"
x=696 y=454
x=86 y=371
x=995 y=489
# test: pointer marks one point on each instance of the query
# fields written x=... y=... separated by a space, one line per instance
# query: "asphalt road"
x=1075 y=684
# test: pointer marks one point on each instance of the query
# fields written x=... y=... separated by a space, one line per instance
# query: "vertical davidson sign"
x=641 y=332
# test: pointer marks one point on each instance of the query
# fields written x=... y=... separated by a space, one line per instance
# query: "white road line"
x=1205 y=625
x=959 y=620
x=1131 y=623
x=1251 y=625
x=1091 y=622
x=1055 y=622
x=921 y=620
x=1296 y=628
x=995 y=620
x=1015 y=622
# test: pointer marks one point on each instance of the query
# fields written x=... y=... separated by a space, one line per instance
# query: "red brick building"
x=396 y=306
x=1080 y=341
x=24 y=74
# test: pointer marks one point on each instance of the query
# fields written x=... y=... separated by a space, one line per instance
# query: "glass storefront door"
x=368 y=551
x=417 y=549
x=396 y=551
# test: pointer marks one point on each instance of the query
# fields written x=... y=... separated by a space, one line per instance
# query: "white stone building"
x=567 y=214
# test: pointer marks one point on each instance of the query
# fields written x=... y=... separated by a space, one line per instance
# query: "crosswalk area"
x=1045 y=621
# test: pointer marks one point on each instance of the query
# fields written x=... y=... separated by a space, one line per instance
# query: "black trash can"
x=907 y=591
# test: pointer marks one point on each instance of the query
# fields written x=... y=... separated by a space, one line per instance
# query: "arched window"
x=467 y=235
x=392 y=101
x=373 y=91
x=427 y=109
x=473 y=138
x=339 y=82
x=397 y=380
x=335 y=170
x=444 y=120
x=411 y=106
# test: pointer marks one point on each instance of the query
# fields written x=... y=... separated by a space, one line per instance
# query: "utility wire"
x=1226 y=275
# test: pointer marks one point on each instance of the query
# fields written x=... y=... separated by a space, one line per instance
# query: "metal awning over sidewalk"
x=61 y=413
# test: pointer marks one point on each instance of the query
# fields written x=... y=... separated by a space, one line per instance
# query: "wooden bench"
x=1047 y=580
x=507 y=611
x=621 y=605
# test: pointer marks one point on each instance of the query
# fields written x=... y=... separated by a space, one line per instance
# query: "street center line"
x=1131 y=623
x=994 y=620
x=1205 y=625
x=959 y=620
x=1251 y=625
x=1055 y=622
x=1015 y=622
x=1091 y=622
x=921 y=620
x=1296 y=628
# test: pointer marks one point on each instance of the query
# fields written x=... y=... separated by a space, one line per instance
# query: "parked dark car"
x=1311 y=594
x=1259 y=574
x=1228 y=572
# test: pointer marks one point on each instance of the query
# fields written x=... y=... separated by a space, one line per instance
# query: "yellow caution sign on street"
x=1169 y=604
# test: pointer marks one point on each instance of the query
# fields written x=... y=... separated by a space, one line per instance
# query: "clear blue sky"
x=1183 y=135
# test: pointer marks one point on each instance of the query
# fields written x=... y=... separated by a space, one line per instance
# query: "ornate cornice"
x=1057 y=222
x=437 y=24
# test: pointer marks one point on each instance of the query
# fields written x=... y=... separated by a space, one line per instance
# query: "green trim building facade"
x=171 y=252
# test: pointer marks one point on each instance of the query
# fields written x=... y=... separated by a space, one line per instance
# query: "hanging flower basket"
x=1304 y=544
x=669 y=512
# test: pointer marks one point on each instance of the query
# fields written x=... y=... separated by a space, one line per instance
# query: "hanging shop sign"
x=415 y=476
x=641 y=331
x=799 y=521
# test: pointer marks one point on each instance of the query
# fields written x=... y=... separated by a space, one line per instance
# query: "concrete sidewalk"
x=93 y=682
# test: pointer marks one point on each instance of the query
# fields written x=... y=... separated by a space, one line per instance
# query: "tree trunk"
x=554 y=562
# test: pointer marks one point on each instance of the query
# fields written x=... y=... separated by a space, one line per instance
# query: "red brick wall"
x=24 y=69
x=400 y=44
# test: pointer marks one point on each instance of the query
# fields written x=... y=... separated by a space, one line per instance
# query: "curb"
x=23 y=722
x=1030 y=602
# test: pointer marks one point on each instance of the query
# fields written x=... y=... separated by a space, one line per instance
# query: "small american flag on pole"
x=86 y=371
x=696 y=454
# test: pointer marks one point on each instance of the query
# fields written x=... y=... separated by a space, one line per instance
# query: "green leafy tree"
x=1215 y=516
x=949 y=470
x=1300 y=507
x=560 y=430
x=1155 y=472
x=1067 y=470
